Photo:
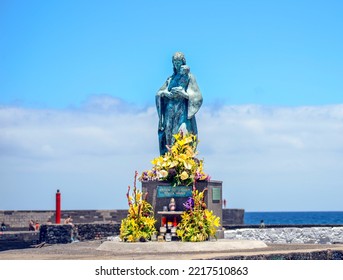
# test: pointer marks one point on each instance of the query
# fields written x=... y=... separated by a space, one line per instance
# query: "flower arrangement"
x=179 y=165
x=197 y=222
x=139 y=224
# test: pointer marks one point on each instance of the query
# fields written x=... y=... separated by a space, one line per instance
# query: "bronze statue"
x=177 y=102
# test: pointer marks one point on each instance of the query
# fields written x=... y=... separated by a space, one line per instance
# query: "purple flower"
x=197 y=175
x=189 y=204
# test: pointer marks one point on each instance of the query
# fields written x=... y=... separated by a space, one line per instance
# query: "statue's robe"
x=177 y=113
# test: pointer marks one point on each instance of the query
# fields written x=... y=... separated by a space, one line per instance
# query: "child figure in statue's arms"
x=180 y=81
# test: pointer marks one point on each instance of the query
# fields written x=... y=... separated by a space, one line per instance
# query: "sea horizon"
x=293 y=217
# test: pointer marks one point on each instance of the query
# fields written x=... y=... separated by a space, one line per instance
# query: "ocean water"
x=294 y=218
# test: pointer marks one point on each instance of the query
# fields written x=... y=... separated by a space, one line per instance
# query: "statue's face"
x=177 y=64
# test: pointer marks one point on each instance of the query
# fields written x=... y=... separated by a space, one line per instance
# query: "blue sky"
x=77 y=86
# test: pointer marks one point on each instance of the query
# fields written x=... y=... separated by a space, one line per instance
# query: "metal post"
x=58 y=207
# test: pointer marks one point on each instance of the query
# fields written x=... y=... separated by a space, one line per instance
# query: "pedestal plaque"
x=160 y=193
x=168 y=191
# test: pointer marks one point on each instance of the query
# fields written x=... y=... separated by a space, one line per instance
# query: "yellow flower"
x=184 y=175
x=189 y=152
x=187 y=165
x=181 y=159
x=189 y=139
x=157 y=161
x=177 y=136
x=163 y=173
x=138 y=196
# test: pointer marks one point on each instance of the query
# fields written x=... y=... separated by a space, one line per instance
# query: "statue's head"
x=178 y=60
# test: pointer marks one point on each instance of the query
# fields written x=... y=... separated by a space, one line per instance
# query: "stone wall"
x=57 y=234
x=233 y=217
x=314 y=235
x=19 y=220
x=18 y=240
x=97 y=231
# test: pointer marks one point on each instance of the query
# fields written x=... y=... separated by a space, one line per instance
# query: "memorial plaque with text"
x=170 y=191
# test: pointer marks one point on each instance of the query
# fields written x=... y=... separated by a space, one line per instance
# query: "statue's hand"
x=176 y=90
x=169 y=94
x=179 y=91
x=163 y=93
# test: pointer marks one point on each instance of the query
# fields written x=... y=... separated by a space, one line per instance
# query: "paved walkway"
x=98 y=250
x=221 y=245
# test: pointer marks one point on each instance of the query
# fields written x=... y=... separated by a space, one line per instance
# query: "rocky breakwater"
x=18 y=240
x=97 y=230
x=311 y=235
x=57 y=234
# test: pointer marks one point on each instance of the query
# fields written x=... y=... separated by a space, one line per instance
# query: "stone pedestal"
x=160 y=193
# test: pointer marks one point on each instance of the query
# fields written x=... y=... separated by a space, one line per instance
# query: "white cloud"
x=269 y=158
